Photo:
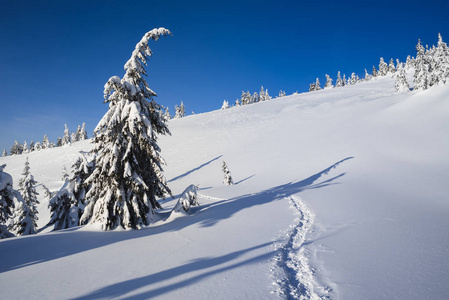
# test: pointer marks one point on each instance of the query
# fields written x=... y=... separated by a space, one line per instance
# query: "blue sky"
x=56 y=56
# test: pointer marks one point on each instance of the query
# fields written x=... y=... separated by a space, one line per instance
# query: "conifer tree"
x=127 y=177
x=383 y=67
x=317 y=85
x=225 y=105
x=180 y=111
x=65 y=175
x=31 y=146
x=25 y=147
x=227 y=175
x=374 y=72
x=339 y=82
x=77 y=135
x=367 y=76
x=421 y=68
x=401 y=83
x=344 y=80
x=37 y=146
x=354 y=78
x=59 y=142
x=391 y=67
x=237 y=102
x=167 y=116
x=26 y=211
x=45 y=142
x=83 y=133
x=281 y=93
x=409 y=63
x=66 y=138
x=16 y=148
x=7 y=196
x=328 y=84
x=312 y=87
x=4 y=153
x=255 y=98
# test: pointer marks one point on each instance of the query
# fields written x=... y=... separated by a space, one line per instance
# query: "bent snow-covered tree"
x=128 y=177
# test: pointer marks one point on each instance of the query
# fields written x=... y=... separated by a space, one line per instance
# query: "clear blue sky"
x=56 y=56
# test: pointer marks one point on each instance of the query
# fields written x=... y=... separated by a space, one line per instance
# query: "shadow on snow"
x=22 y=252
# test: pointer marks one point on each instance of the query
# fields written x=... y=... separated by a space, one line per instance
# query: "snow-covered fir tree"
x=67 y=204
x=45 y=142
x=65 y=175
x=354 y=78
x=255 y=98
x=83 y=133
x=26 y=211
x=409 y=63
x=440 y=70
x=237 y=102
x=37 y=146
x=16 y=148
x=225 y=104
x=317 y=85
x=421 y=68
x=263 y=95
x=4 y=153
x=328 y=84
x=312 y=87
x=391 y=67
x=227 y=175
x=401 y=83
x=383 y=67
x=180 y=111
x=127 y=177
x=31 y=146
x=7 y=199
x=66 y=137
x=25 y=147
x=344 y=79
x=281 y=94
x=374 y=72
x=367 y=76
x=58 y=142
x=339 y=82
x=245 y=98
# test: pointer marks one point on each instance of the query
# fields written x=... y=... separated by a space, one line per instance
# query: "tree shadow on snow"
x=35 y=249
x=195 y=169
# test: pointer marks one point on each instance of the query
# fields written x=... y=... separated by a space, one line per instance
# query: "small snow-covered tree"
x=401 y=83
x=187 y=199
x=312 y=87
x=167 y=115
x=45 y=142
x=317 y=85
x=383 y=67
x=391 y=67
x=37 y=146
x=25 y=147
x=374 y=72
x=344 y=79
x=328 y=84
x=409 y=63
x=339 y=82
x=66 y=138
x=4 y=153
x=180 y=111
x=83 y=133
x=367 y=76
x=421 y=69
x=245 y=98
x=26 y=211
x=281 y=93
x=59 y=142
x=7 y=197
x=31 y=146
x=263 y=95
x=237 y=102
x=128 y=176
x=225 y=104
x=65 y=174
x=77 y=135
x=16 y=148
x=354 y=78
x=255 y=98
x=227 y=175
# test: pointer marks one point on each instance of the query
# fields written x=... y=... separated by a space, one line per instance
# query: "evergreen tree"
x=391 y=67
x=45 y=142
x=77 y=134
x=65 y=174
x=66 y=138
x=237 y=102
x=367 y=76
x=7 y=196
x=26 y=212
x=167 y=116
x=328 y=84
x=245 y=98
x=59 y=142
x=16 y=148
x=127 y=176
x=317 y=85
x=344 y=79
x=421 y=68
x=339 y=81
x=227 y=175
x=440 y=71
x=37 y=146
x=4 y=153
x=25 y=147
x=312 y=87
x=225 y=104
x=401 y=83
x=354 y=79
x=409 y=63
x=281 y=93
x=180 y=111
x=83 y=133
x=374 y=72
x=383 y=67
x=255 y=98
x=31 y=146
x=263 y=95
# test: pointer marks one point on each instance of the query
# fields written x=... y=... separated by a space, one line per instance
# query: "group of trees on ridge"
x=117 y=183
x=68 y=138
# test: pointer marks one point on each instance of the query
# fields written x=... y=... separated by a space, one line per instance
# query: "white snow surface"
x=340 y=193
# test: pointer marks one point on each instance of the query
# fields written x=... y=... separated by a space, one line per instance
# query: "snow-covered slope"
x=339 y=193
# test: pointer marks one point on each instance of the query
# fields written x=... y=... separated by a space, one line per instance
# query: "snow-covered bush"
x=187 y=199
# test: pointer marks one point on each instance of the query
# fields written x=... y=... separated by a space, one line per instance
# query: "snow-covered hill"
x=339 y=193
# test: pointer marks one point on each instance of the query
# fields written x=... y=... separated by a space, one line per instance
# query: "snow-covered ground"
x=340 y=193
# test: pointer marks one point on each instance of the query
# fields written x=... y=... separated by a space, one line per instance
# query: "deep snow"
x=340 y=193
